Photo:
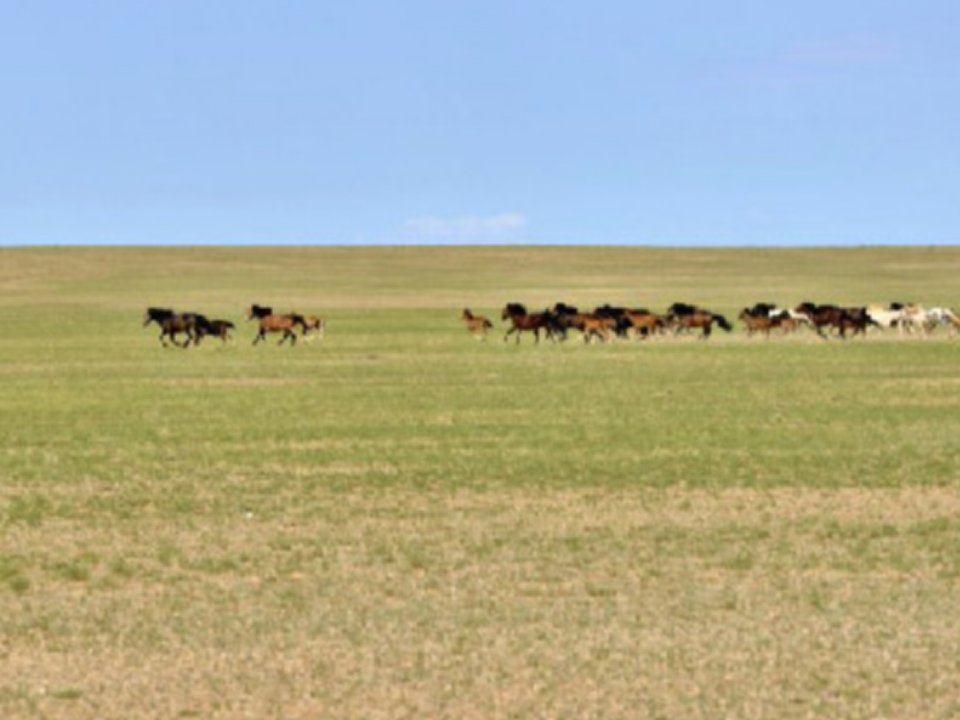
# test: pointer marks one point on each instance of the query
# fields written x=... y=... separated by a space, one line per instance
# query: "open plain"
x=400 y=521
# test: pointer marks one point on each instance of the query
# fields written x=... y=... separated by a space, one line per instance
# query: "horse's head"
x=513 y=309
x=466 y=314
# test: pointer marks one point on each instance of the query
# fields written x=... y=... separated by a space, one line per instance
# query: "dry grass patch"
x=787 y=603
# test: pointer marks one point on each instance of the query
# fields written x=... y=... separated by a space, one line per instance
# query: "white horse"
x=885 y=318
x=790 y=313
x=943 y=316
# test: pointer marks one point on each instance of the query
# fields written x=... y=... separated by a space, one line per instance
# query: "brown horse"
x=757 y=322
x=271 y=323
x=644 y=323
x=522 y=321
x=597 y=326
x=477 y=325
x=822 y=316
x=703 y=319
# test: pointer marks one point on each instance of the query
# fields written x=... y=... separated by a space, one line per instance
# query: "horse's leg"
x=536 y=336
x=507 y=334
x=293 y=338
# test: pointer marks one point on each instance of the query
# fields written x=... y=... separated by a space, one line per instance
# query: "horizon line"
x=482 y=245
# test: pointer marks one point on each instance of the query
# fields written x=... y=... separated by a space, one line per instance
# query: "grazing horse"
x=522 y=321
x=687 y=317
x=477 y=325
x=171 y=324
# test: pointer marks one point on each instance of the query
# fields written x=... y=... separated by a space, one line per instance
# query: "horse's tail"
x=487 y=324
x=722 y=322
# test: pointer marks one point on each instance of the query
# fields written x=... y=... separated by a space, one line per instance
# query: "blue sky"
x=681 y=123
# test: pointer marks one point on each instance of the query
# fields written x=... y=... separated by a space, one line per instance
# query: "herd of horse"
x=605 y=323
x=196 y=326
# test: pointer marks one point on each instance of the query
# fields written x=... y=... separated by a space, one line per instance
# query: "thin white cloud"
x=815 y=63
x=467 y=228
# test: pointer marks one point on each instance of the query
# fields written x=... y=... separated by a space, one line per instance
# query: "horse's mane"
x=259 y=311
x=679 y=308
x=609 y=311
x=155 y=313
x=761 y=308
x=561 y=308
x=518 y=308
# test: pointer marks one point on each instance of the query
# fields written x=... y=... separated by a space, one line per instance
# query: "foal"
x=477 y=325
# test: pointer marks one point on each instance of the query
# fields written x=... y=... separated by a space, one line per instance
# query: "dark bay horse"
x=522 y=321
x=821 y=316
x=171 y=324
x=215 y=328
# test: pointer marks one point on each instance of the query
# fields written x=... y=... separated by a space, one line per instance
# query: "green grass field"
x=399 y=521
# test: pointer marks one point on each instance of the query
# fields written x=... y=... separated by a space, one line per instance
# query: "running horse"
x=214 y=328
x=477 y=325
x=688 y=317
x=270 y=323
x=171 y=324
x=522 y=321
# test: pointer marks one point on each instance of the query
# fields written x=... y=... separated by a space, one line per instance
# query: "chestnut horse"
x=270 y=323
x=693 y=317
x=643 y=322
x=477 y=325
x=757 y=322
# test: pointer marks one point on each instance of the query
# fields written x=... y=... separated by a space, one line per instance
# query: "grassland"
x=399 y=521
